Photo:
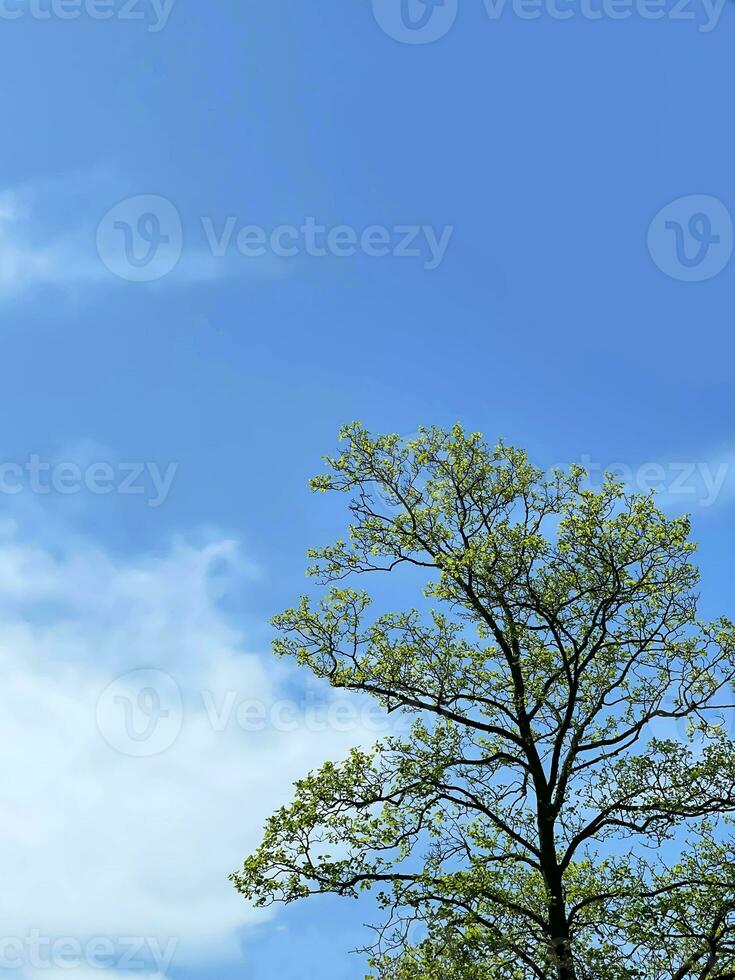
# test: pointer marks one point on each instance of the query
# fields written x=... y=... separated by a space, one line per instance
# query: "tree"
x=560 y=806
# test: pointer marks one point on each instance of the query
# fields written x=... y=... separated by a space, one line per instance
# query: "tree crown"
x=558 y=806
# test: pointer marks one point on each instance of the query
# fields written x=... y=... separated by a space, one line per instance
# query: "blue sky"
x=542 y=149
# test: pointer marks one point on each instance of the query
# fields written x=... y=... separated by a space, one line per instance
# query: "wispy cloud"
x=30 y=258
x=54 y=235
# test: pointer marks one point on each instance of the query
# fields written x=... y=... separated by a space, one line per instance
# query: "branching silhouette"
x=560 y=806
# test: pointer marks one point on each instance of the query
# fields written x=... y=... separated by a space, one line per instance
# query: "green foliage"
x=535 y=822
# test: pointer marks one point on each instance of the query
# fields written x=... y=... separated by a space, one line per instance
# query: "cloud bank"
x=101 y=844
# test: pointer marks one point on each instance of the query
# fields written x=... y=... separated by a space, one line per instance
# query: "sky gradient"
x=226 y=229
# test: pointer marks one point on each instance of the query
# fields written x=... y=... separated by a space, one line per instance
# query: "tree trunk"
x=561 y=947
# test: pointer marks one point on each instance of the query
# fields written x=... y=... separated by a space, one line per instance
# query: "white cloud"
x=98 y=843
x=60 y=234
x=25 y=262
x=46 y=234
